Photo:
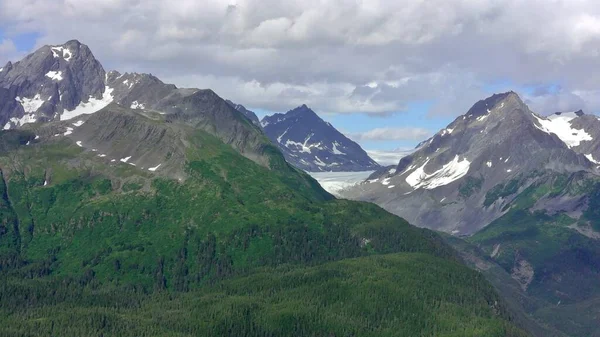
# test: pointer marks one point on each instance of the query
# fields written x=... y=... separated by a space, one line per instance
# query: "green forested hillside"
x=94 y=246
x=552 y=255
x=391 y=295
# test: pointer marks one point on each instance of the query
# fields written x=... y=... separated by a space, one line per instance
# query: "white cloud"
x=389 y=157
x=8 y=50
x=387 y=134
x=275 y=54
x=562 y=100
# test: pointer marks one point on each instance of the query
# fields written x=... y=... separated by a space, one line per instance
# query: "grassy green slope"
x=89 y=247
x=556 y=265
x=229 y=215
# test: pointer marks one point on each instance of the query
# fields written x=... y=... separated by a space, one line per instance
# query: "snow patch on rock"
x=450 y=172
x=154 y=168
x=336 y=150
x=446 y=131
x=136 y=105
x=281 y=136
x=319 y=162
x=16 y=122
x=30 y=104
x=55 y=75
x=89 y=107
x=68 y=132
x=590 y=157
x=560 y=125
x=63 y=52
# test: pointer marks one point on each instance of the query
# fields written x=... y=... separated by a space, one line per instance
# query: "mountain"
x=310 y=143
x=250 y=114
x=169 y=203
x=524 y=191
x=53 y=83
x=66 y=81
x=466 y=175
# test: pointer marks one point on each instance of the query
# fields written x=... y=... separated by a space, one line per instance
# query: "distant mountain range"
x=124 y=199
x=310 y=143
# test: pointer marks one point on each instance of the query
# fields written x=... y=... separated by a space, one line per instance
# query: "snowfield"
x=560 y=125
x=335 y=182
x=450 y=172
x=91 y=106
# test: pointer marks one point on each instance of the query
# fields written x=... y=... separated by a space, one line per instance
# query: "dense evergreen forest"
x=389 y=295
x=236 y=249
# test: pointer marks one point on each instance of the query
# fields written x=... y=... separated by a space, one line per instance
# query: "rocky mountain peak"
x=499 y=105
x=310 y=143
x=303 y=111
x=64 y=82
x=6 y=67
x=499 y=139
x=54 y=82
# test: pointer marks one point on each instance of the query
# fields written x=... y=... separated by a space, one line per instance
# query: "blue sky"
x=24 y=42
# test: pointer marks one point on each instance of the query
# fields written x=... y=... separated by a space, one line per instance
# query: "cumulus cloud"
x=370 y=56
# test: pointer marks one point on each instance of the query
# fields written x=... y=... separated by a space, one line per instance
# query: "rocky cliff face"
x=54 y=82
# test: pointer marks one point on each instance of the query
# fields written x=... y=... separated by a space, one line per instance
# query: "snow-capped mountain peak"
x=54 y=82
x=312 y=144
x=446 y=181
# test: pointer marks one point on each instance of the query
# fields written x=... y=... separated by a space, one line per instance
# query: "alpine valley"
x=523 y=192
x=131 y=207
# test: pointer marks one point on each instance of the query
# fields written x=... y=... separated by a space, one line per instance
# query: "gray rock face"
x=49 y=82
x=587 y=127
x=448 y=182
x=198 y=108
x=250 y=114
x=67 y=82
x=310 y=143
x=137 y=91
